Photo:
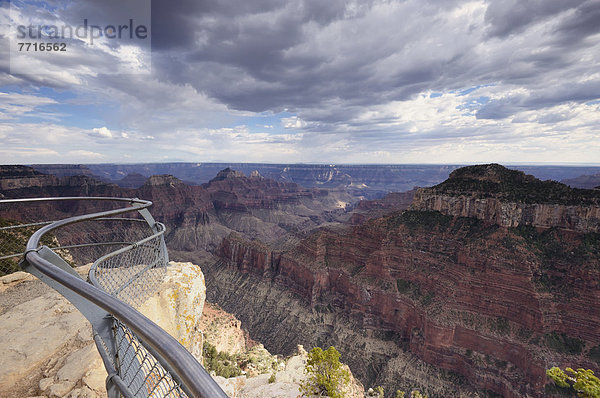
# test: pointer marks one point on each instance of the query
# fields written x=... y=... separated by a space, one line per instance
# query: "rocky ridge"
x=511 y=198
x=492 y=303
x=197 y=217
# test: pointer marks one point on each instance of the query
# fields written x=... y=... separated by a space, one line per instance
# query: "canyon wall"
x=489 y=280
x=495 y=305
x=511 y=214
x=511 y=198
x=281 y=319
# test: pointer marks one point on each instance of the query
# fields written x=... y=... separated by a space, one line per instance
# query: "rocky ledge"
x=47 y=345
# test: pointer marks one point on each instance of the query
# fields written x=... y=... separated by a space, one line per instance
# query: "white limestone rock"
x=61 y=389
x=79 y=363
x=177 y=306
x=15 y=277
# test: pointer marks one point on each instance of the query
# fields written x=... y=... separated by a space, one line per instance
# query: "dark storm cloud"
x=584 y=22
x=190 y=20
x=326 y=60
x=261 y=61
x=330 y=61
x=513 y=16
x=565 y=93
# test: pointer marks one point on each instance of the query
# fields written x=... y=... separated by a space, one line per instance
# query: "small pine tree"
x=325 y=375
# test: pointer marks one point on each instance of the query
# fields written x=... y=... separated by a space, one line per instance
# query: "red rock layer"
x=467 y=297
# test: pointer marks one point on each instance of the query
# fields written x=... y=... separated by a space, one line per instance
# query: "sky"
x=313 y=81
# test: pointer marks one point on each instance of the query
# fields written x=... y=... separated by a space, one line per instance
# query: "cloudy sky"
x=414 y=81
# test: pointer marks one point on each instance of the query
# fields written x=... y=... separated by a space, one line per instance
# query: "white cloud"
x=293 y=122
x=103 y=132
x=85 y=156
x=14 y=105
x=356 y=84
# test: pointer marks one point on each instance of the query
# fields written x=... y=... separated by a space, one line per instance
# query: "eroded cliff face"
x=281 y=319
x=197 y=217
x=496 y=305
x=511 y=198
x=511 y=214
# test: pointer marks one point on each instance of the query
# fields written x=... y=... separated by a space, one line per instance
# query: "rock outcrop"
x=47 y=345
x=178 y=304
x=510 y=198
x=283 y=382
x=264 y=375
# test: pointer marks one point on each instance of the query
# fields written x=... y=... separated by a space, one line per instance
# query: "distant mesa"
x=228 y=173
x=496 y=181
x=163 y=179
x=511 y=198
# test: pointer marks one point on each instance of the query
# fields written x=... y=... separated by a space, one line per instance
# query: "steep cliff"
x=493 y=288
x=495 y=305
x=492 y=303
x=511 y=198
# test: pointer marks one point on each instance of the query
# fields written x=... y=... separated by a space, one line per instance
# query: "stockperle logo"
x=74 y=39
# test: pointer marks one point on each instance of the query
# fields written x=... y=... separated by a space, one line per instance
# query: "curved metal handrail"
x=178 y=361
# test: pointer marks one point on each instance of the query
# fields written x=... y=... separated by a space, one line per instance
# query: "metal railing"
x=127 y=248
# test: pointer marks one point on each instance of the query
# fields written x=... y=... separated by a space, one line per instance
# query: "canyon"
x=491 y=301
x=467 y=288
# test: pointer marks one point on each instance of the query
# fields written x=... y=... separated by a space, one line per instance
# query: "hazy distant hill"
x=361 y=181
x=583 y=181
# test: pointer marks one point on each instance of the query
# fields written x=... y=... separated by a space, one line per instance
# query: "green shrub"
x=422 y=219
x=581 y=380
x=500 y=325
x=325 y=374
x=594 y=354
x=562 y=343
x=221 y=363
x=404 y=286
